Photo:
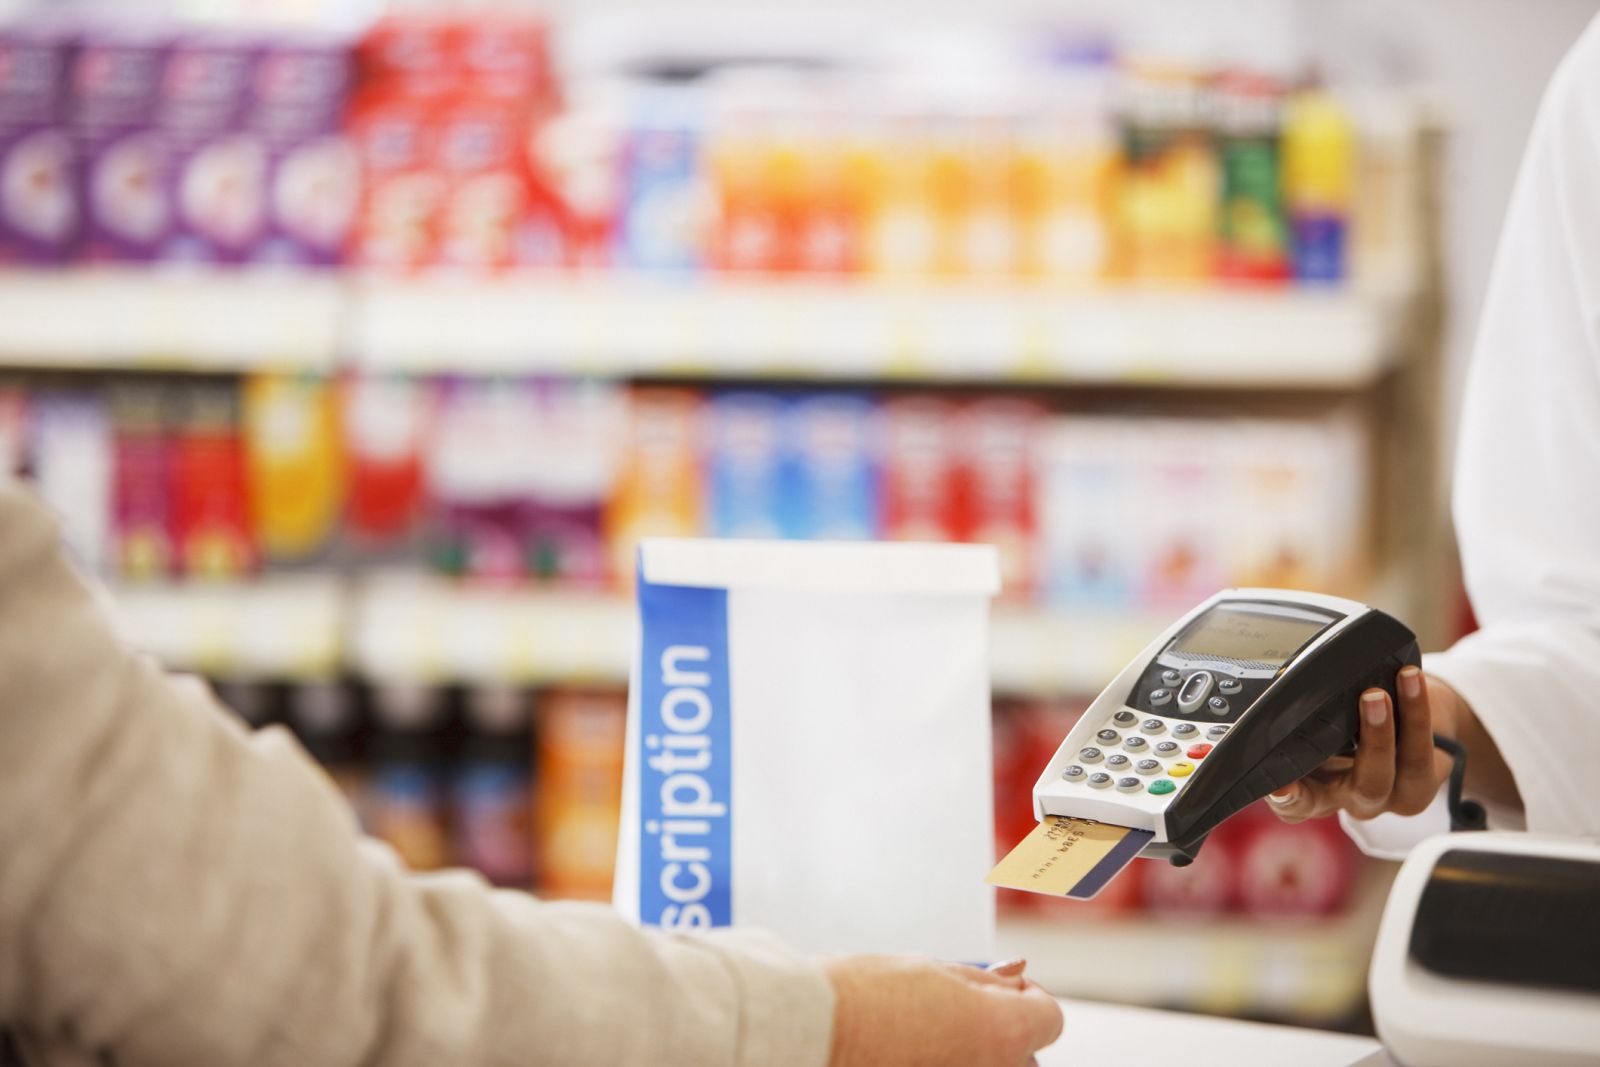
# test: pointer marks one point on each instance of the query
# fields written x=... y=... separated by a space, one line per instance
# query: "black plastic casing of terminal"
x=1306 y=716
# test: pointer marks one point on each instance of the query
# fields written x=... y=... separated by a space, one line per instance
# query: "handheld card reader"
x=1248 y=692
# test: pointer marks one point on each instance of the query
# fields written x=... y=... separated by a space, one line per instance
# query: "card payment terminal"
x=1250 y=691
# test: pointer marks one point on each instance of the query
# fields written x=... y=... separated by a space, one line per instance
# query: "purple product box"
x=124 y=189
x=312 y=178
x=218 y=168
x=39 y=215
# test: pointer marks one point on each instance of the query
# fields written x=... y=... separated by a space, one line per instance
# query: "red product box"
x=1305 y=870
x=210 y=502
x=505 y=58
x=994 y=483
x=919 y=470
x=1208 y=886
x=484 y=180
x=409 y=56
x=395 y=140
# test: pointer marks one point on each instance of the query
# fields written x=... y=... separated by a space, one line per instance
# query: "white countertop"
x=1099 y=1034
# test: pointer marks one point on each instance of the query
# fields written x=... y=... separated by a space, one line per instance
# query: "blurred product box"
x=491 y=787
x=297 y=470
x=1254 y=234
x=405 y=801
x=125 y=182
x=394 y=137
x=211 y=528
x=71 y=454
x=39 y=212
x=573 y=432
x=744 y=465
x=994 y=487
x=662 y=219
x=142 y=522
x=830 y=471
x=1087 y=514
x=312 y=182
x=387 y=423
x=1167 y=196
x=1318 y=174
x=218 y=175
x=579 y=751
x=919 y=469
x=660 y=489
x=1147 y=513
x=482 y=169
x=478 y=477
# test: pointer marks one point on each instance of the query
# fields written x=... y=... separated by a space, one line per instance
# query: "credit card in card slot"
x=1066 y=857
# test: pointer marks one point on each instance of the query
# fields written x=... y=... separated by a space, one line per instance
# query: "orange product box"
x=579 y=740
x=296 y=465
x=660 y=489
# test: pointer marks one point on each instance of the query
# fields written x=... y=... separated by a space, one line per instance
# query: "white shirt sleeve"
x=1527 y=480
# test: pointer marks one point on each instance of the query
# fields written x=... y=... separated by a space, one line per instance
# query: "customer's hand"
x=1395 y=768
x=894 y=1011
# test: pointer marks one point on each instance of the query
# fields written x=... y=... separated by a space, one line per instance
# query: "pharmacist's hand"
x=893 y=1011
x=1395 y=768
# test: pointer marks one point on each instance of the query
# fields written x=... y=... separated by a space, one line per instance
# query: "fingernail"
x=1008 y=968
x=1411 y=683
x=1372 y=707
x=1283 y=796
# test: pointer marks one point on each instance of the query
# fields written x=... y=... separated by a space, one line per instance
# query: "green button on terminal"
x=1164 y=786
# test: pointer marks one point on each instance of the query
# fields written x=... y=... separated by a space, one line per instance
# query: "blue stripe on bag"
x=684 y=759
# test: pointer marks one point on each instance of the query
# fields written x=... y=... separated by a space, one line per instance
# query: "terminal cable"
x=1464 y=814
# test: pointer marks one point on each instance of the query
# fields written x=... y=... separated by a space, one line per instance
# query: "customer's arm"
x=179 y=891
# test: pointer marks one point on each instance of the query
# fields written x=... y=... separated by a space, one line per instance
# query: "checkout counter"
x=1098 y=1034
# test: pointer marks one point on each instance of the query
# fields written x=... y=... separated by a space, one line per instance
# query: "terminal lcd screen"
x=1252 y=636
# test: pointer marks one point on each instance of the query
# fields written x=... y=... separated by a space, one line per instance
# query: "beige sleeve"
x=176 y=890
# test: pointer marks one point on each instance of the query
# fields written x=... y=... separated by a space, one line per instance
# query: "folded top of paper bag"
x=844 y=566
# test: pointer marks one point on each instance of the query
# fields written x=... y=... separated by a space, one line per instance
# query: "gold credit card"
x=1066 y=857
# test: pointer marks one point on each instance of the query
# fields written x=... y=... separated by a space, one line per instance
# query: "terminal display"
x=1228 y=633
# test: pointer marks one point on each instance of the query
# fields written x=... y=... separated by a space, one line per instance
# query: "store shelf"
x=406 y=625
x=193 y=319
x=426 y=629
x=178 y=319
x=876 y=330
x=1311 y=970
x=285 y=627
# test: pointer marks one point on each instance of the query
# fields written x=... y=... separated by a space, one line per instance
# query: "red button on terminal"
x=1198 y=751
